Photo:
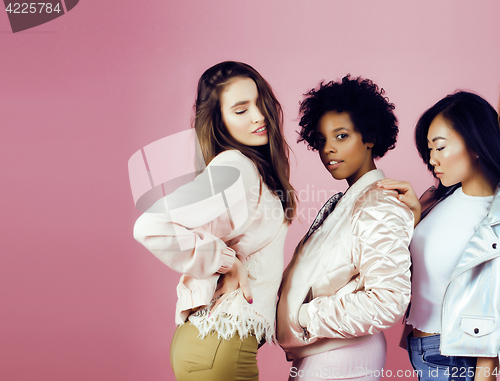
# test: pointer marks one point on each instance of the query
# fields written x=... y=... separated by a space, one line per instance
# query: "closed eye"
x=239 y=112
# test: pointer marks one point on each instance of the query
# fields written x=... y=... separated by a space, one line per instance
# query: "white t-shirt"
x=438 y=243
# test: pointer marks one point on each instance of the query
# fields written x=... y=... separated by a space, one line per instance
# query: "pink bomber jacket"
x=351 y=278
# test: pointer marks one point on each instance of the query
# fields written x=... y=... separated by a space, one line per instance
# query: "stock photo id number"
x=24 y=16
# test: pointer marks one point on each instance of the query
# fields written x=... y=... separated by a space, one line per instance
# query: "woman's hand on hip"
x=229 y=282
x=406 y=195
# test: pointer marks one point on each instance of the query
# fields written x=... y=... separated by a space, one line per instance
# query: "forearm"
x=358 y=314
x=187 y=229
x=486 y=369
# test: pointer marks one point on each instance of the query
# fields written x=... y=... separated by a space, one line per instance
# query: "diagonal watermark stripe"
x=171 y=164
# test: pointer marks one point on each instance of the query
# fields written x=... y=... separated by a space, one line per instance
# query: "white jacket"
x=470 y=320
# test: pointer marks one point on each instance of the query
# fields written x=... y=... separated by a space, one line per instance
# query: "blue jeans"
x=430 y=365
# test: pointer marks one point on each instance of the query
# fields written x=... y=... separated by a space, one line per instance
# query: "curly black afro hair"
x=370 y=112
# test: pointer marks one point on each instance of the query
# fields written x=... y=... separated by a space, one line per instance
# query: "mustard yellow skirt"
x=211 y=358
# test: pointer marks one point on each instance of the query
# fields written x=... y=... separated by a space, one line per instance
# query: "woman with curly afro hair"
x=349 y=277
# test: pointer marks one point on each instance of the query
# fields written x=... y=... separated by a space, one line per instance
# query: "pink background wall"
x=80 y=299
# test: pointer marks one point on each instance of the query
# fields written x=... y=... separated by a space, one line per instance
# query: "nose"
x=329 y=147
x=432 y=160
x=257 y=116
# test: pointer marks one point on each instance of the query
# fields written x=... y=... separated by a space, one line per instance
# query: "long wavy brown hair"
x=272 y=159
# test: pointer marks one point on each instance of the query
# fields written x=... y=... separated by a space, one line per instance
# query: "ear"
x=370 y=142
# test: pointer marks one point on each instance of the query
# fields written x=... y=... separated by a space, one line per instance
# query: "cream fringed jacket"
x=351 y=278
x=197 y=231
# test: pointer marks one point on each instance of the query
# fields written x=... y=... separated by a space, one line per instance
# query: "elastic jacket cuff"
x=227 y=258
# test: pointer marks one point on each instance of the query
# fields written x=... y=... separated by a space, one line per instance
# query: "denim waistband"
x=421 y=344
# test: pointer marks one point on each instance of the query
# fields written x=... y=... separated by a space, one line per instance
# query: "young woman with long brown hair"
x=231 y=258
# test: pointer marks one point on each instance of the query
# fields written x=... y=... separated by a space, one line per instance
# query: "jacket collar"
x=494 y=213
x=367 y=179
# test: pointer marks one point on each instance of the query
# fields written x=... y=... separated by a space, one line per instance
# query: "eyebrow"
x=340 y=129
x=241 y=103
x=436 y=138
x=334 y=131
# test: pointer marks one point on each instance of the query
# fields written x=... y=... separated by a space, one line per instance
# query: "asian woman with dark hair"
x=455 y=309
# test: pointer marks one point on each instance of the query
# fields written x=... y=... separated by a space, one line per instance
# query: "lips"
x=260 y=130
x=333 y=164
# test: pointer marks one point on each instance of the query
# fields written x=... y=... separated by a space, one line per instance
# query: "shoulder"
x=233 y=158
x=494 y=212
x=373 y=196
x=383 y=203
x=234 y=164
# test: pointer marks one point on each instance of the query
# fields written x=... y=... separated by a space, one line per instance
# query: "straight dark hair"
x=271 y=160
x=477 y=123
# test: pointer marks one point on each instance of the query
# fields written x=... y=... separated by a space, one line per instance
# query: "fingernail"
x=250 y=301
x=209 y=314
